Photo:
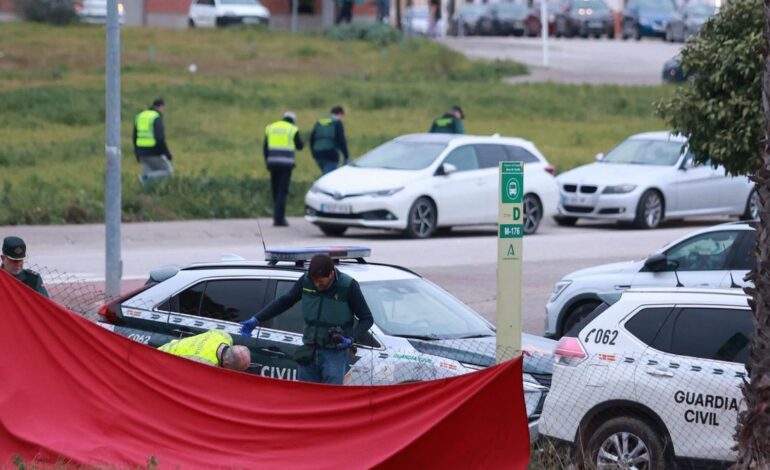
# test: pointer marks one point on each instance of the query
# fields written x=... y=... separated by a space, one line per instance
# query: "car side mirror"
x=446 y=169
x=656 y=262
x=599 y=156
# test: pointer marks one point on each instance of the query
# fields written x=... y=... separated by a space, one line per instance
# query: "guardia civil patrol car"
x=652 y=379
x=420 y=331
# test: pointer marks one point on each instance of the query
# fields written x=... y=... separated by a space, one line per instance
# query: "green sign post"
x=510 y=219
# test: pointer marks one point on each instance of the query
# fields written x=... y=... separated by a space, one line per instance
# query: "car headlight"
x=619 y=189
x=383 y=193
x=558 y=288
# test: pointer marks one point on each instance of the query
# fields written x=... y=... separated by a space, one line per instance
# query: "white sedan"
x=424 y=183
x=651 y=177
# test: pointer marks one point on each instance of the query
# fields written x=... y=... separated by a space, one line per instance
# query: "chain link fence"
x=76 y=294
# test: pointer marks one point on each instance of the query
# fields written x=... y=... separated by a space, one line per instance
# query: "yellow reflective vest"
x=145 y=133
x=280 y=143
x=200 y=348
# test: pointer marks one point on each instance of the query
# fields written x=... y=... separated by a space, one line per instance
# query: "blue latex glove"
x=248 y=326
x=345 y=342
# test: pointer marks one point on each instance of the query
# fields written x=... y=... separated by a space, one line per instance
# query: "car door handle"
x=273 y=352
x=660 y=372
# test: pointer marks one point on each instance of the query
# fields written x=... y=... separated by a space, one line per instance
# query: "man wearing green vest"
x=14 y=254
x=150 y=143
x=331 y=303
x=450 y=123
x=327 y=141
x=282 y=140
x=214 y=348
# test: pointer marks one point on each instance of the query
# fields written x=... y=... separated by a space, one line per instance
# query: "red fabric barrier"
x=72 y=391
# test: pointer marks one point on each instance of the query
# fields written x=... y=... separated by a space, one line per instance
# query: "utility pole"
x=112 y=191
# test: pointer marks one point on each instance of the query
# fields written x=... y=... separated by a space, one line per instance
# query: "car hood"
x=604 y=174
x=628 y=268
x=349 y=180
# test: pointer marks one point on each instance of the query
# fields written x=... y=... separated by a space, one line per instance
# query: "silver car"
x=649 y=178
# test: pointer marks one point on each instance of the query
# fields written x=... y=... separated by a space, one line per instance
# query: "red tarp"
x=72 y=391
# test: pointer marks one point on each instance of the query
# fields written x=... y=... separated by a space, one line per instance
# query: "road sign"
x=510 y=219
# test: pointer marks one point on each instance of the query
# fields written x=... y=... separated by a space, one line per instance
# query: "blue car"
x=646 y=18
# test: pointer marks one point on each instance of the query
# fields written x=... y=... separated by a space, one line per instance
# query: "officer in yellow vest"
x=282 y=141
x=214 y=348
x=150 y=143
x=450 y=123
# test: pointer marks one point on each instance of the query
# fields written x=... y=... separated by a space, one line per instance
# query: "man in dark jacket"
x=282 y=141
x=14 y=254
x=450 y=123
x=327 y=141
x=150 y=143
x=331 y=303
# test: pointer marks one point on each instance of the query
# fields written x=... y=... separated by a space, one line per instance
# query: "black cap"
x=459 y=110
x=158 y=102
x=14 y=248
x=337 y=110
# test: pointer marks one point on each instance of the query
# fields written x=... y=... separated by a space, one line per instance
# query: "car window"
x=721 y=334
x=490 y=155
x=401 y=155
x=705 y=252
x=645 y=152
x=593 y=4
x=464 y=158
x=745 y=258
x=227 y=299
x=205 y=2
x=518 y=154
x=646 y=323
x=291 y=320
x=188 y=301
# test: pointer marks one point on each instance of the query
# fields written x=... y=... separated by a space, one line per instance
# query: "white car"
x=424 y=183
x=417 y=20
x=651 y=177
x=718 y=256
x=652 y=380
x=210 y=13
x=95 y=11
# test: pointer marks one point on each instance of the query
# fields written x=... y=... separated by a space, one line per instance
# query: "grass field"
x=52 y=108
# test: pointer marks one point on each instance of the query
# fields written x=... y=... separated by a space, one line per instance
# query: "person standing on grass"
x=14 y=254
x=327 y=141
x=282 y=141
x=150 y=143
x=345 y=11
x=450 y=123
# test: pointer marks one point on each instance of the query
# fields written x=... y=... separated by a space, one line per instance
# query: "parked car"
x=416 y=21
x=420 y=331
x=649 y=178
x=646 y=18
x=210 y=13
x=95 y=11
x=465 y=20
x=532 y=23
x=584 y=18
x=687 y=21
x=673 y=72
x=653 y=380
x=422 y=184
x=718 y=256
x=509 y=18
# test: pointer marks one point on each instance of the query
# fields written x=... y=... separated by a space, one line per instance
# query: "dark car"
x=686 y=22
x=672 y=70
x=465 y=20
x=584 y=18
x=646 y=18
x=502 y=19
x=532 y=23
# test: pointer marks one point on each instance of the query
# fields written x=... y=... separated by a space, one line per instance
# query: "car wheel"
x=626 y=442
x=565 y=221
x=333 y=230
x=611 y=33
x=649 y=211
x=421 y=222
x=752 y=207
x=597 y=35
x=533 y=213
x=578 y=313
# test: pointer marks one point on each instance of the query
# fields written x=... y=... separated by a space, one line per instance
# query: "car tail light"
x=110 y=312
x=78 y=6
x=569 y=351
x=551 y=169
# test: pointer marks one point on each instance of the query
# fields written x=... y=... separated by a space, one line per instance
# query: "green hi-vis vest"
x=201 y=348
x=280 y=143
x=325 y=309
x=324 y=135
x=444 y=125
x=145 y=134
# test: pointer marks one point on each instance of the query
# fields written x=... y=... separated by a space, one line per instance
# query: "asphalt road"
x=462 y=262
x=575 y=60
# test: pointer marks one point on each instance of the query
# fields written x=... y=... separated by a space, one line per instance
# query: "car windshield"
x=471 y=9
x=416 y=308
x=239 y=2
x=511 y=8
x=657 y=5
x=645 y=152
x=399 y=155
x=593 y=4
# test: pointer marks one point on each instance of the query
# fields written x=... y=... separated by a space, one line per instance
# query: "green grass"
x=52 y=107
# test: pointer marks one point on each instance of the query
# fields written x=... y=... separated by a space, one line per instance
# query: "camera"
x=335 y=335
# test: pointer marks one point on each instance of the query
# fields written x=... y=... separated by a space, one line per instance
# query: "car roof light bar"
x=301 y=255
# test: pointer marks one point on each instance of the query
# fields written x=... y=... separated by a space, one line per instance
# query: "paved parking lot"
x=575 y=60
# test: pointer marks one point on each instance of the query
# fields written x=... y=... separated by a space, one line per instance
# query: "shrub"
x=377 y=33
x=48 y=11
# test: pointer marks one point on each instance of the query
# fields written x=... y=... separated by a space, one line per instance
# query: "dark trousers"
x=346 y=12
x=280 y=177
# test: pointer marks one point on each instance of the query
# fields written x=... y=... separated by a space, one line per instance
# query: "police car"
x=420 y=331
x=652 y=379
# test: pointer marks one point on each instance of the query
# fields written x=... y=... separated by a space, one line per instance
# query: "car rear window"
x=713 y=333
x=646 y=323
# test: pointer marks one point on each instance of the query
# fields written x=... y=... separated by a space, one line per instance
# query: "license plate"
x=336 y=208
x=595 y=24
x=578 y=201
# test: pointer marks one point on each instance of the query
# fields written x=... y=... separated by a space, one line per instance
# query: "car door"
x=691 y=377
x=699 y=261
x=490 y=156
x=694 y=185
x=204 y=13
x=460 y=195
